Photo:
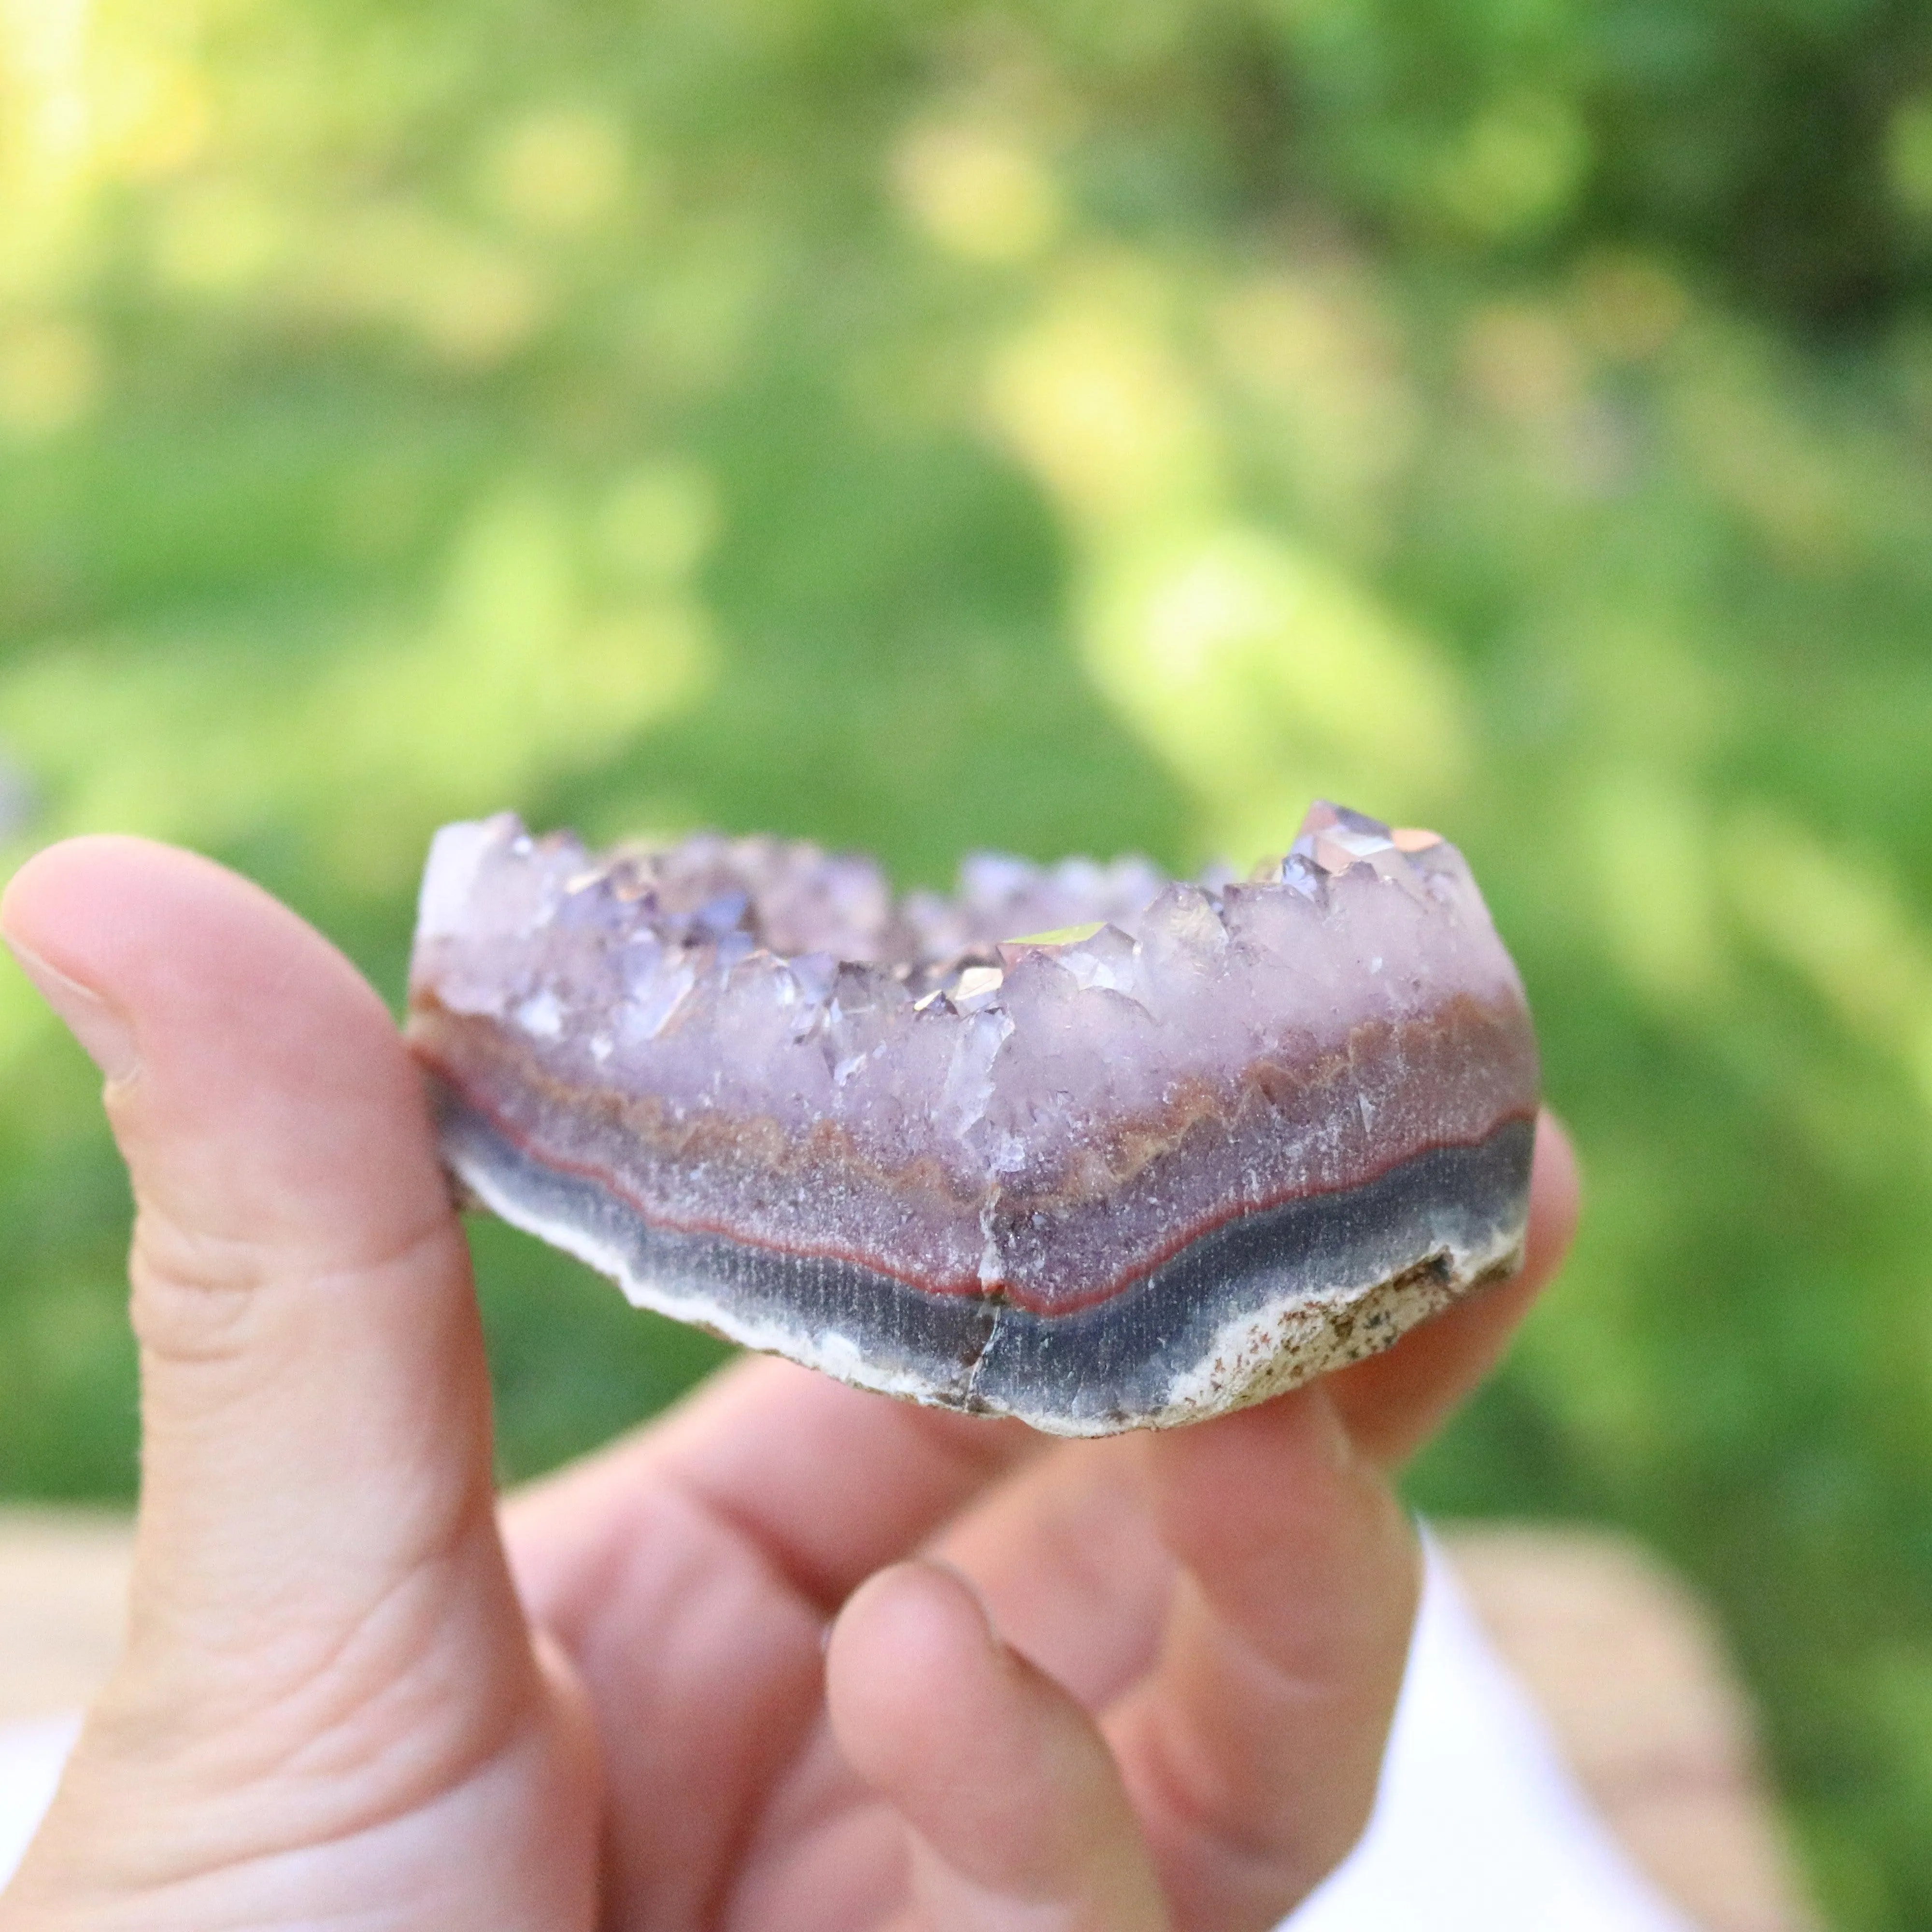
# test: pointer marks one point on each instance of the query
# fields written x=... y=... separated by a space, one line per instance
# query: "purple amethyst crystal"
x=1077 y=1144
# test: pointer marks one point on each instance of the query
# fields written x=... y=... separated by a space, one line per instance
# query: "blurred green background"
x=1063 y=426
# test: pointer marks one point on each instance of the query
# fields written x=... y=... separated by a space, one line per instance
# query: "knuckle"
x=196 y=1299
x=200 y=1296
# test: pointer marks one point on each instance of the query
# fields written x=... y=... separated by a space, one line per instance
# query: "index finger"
x=1251 y=1748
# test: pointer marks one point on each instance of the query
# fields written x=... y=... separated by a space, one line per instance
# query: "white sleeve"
x=1478 y=1826
x=32 y=1754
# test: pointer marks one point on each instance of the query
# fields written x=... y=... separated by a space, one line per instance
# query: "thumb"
x=316 y=1539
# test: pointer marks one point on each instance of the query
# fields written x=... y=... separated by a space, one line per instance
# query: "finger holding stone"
x=1067 y=1556
x=1252 y=1746
x=1017 y=1818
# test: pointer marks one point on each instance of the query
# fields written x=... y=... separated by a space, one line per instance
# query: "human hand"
x=795 y=1658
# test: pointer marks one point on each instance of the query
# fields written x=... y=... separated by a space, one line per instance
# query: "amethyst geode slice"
x=1077 y=1144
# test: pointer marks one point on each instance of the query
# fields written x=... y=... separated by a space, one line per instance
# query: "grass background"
x=1059 y=427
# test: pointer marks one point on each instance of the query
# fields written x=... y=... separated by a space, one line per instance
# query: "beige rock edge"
x=1625 y=1662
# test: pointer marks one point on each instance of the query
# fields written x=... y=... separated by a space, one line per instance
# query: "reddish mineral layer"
x=1077 y=1144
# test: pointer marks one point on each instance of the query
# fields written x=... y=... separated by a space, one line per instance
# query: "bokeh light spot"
x=1099 y=407
x=1517 y=168
x=559 y=171
x=51 y=376
x=658 y=523
x=218 y=238
x=1657 y=888
x=1263 y=675
x=1909 y=158
x=979 y=192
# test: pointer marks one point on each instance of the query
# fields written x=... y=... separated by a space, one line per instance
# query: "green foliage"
x=1067 y=427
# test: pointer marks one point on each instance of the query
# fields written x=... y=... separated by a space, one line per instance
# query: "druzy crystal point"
x=1077 y=1144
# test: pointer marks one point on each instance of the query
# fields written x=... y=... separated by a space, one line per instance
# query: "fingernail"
x=107 y=1038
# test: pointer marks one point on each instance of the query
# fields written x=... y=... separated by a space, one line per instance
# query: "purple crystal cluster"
x=1006 y=1027
x=1036 y=1094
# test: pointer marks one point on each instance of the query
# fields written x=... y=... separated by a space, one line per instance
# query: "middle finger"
x=1069 y=1558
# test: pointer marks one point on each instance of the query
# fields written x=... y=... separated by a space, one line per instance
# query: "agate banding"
x=1077 y=1144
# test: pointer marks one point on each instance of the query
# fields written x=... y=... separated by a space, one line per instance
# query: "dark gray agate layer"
x=1254 y=1306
